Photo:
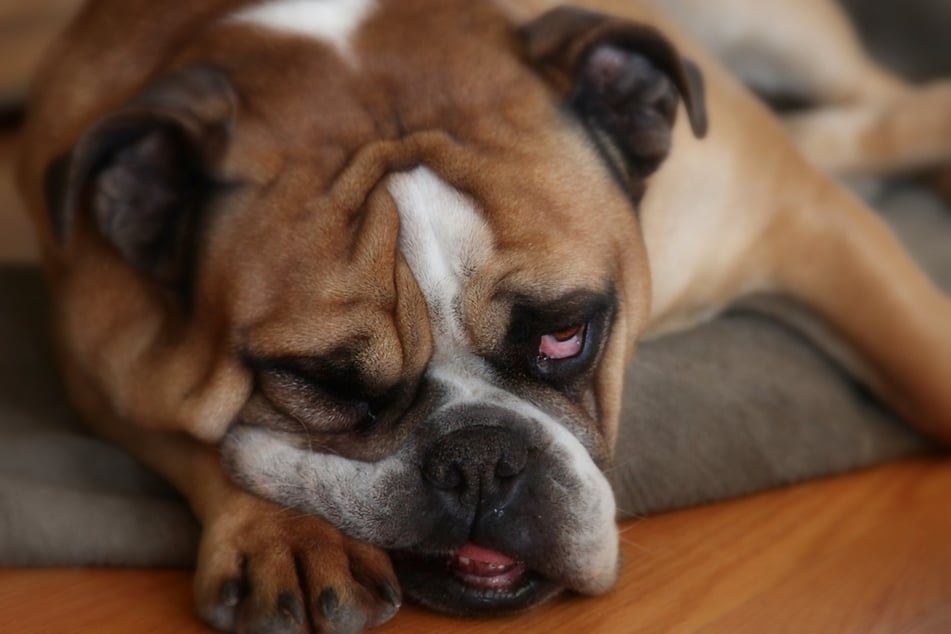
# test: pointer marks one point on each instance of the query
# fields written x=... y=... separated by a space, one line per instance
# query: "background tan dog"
x=754 y=216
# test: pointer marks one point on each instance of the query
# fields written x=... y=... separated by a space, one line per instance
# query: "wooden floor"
x=864 y=553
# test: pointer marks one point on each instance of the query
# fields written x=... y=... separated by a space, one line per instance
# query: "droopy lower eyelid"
x=564 y=345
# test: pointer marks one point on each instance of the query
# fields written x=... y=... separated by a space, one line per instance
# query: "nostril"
x=444 y=475
x=509 y=467
x=504 y=471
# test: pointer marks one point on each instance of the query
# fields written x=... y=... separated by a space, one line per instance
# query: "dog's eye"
x=312 y=404
x=563 y=344
x=325 y=396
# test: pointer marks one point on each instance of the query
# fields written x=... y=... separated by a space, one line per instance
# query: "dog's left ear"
x=141 y=174
x=622 y=78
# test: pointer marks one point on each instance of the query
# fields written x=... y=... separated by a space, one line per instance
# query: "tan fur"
x=738 y=211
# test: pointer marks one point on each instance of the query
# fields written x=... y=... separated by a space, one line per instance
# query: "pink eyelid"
x=562 y=345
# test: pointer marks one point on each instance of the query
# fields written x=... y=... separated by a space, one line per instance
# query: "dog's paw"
x=263 y=568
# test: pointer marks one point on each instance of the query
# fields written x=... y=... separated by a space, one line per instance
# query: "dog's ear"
x=140 y=175
x=622 y=78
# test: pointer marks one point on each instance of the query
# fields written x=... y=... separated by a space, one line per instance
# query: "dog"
x=385 y=261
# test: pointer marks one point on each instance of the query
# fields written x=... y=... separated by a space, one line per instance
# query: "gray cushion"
x=65 y=497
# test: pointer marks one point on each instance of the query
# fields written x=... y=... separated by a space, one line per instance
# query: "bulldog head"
x=387 y=253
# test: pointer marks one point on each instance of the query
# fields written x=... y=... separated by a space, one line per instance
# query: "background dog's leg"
x=826 y=249
x=861 y=119
x=263 y=567
x=800 y=50
x=904 y=133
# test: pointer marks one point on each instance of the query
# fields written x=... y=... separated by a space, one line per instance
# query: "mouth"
x=471 y=580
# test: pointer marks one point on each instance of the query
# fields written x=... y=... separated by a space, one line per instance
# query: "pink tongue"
x=478 y=553
x=486 y=570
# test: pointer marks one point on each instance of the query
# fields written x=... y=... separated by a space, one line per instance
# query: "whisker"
x=644 y=549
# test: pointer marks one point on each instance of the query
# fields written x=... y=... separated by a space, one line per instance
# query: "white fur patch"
x=332 y=21
x=444 y=240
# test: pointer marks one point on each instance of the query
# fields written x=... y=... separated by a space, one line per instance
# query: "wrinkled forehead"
x=348 y=102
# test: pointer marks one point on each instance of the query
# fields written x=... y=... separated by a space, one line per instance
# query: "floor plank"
x=862 y=553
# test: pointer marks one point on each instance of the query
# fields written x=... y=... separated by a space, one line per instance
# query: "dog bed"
x=740 y=404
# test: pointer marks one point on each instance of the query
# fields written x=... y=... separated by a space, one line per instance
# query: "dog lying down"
x=385 y=262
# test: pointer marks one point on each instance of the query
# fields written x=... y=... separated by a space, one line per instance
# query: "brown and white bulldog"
x=385 y=261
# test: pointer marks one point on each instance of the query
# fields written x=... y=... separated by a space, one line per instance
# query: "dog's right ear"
x=623 y=79
x=140 y=175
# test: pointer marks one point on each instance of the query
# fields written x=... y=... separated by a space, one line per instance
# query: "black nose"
x=477 y=465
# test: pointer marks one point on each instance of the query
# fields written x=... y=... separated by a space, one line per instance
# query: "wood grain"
x=862 y=553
